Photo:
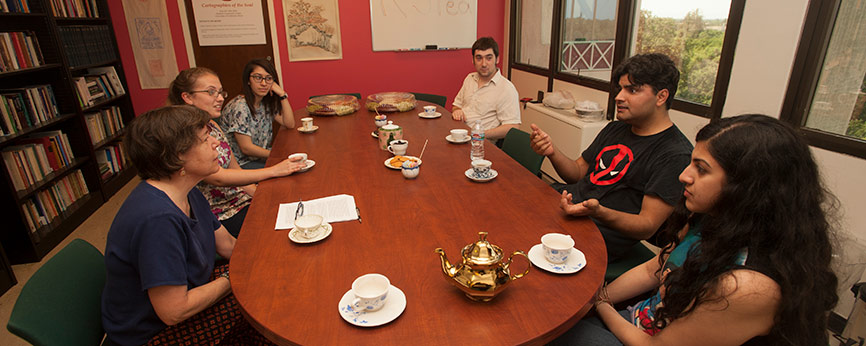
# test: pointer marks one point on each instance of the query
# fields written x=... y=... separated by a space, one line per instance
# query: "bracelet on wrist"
x=225 y=275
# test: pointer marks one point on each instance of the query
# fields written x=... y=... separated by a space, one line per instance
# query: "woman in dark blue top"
x=161 y=284
x=748 y=260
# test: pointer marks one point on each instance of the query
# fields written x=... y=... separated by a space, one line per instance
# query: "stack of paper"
x=336 y=208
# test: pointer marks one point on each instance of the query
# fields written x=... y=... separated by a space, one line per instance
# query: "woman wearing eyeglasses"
x=229 y=191
x=248 y=117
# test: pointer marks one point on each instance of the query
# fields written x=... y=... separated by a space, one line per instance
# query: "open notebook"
x=335 y=208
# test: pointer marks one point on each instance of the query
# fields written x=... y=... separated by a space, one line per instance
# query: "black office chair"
x=516 y=145
x=433 y=98
x=358 y=95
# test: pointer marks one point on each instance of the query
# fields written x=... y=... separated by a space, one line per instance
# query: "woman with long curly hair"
x=748 y=260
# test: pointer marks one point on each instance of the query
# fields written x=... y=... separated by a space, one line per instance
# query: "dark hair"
x=486 y=43
x=184 y=83
x=156 y=139
x=773 y=204
x=271 y=102
x=655 y=70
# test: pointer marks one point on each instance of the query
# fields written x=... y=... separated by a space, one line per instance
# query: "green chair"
x=636 y=255
x=358 y=95
x=437 y=99
x=60 y=304
x=516 y=145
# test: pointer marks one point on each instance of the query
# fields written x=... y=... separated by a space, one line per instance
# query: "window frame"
x=808 y=62
x=626 y=12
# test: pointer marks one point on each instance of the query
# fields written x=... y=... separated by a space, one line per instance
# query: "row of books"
x=38 y=156
x=26 y=107
x=20 y=6
x=87 y=44
x=99 y=84
x=103 y=124
x=19 y=50
x=75 y=8
x=111 y=159
x=48 y=203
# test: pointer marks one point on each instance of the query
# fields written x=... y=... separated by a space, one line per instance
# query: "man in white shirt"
x=486 y=95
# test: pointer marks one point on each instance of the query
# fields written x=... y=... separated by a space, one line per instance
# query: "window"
x=827 y=95
x=536 y=21
x=691 y=32
x=587 y=39
x=593 y=36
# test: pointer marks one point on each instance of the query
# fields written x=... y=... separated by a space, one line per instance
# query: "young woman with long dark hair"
x=247 y=118
x=749 y=255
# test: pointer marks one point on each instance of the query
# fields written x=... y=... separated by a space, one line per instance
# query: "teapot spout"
x=447 y=268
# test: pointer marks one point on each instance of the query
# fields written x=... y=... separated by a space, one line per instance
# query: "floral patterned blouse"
x=236 y=118
x=225 y=202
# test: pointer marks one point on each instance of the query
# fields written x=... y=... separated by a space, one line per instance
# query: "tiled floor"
x=93 y=230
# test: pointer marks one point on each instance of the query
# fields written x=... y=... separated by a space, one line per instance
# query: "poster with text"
x=147 y=21
x=229 y=22
x=313 y=30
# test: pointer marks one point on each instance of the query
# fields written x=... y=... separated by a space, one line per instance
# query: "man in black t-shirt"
x=627 y=179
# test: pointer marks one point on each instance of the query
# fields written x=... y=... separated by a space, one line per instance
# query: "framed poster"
x=313 y=30
x=229 y=22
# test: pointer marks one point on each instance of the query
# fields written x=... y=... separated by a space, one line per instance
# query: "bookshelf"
x=63 y=111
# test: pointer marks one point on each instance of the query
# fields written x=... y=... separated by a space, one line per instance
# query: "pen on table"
x=299 y=210
x=359 y=214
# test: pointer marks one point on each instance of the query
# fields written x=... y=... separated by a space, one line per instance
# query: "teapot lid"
x=390 y=126
x=482 y=252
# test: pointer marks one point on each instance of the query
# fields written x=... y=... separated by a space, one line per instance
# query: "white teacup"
x=310 y=225
x=308 y=123
x=557 y=247
x=459 y=135
x=371 y=292
x=430 y=110
x=302 y=157
x=481 y=168
x=398 y=146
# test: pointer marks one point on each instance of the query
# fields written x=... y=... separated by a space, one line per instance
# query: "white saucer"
x=393 y=307
x=493 y=175
x=310 y=164
x=315 y=127
x=451 y=139
x=575 y=262
x=400 y=168
x=425 y=116
x=375 y=135
x=297 y=238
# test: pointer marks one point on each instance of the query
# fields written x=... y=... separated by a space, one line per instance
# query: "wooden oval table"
x=290 y=292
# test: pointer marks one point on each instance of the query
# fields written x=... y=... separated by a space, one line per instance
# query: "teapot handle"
x=510 y=258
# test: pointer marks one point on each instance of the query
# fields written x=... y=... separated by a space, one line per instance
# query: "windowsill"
x=568 y=116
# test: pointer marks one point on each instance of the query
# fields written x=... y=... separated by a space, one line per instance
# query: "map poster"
x=313 y=30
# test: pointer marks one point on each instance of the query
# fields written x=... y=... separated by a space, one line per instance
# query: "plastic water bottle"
x=477 y=152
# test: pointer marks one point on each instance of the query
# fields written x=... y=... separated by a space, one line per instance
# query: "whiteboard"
x=423 y=24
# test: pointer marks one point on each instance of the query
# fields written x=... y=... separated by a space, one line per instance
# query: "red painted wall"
x=360 y=70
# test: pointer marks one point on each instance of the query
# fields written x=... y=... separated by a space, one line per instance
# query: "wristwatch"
x=225 y=275
x=285 y=96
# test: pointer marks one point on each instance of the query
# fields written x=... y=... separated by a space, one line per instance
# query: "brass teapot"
x=482 y=275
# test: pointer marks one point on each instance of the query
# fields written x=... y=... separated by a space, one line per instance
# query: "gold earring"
x=182 y=172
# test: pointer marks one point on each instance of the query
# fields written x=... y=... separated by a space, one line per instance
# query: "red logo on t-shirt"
x=619 y=159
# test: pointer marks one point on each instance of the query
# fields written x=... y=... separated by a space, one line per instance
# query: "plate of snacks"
x=333 y=105
x=386 y=102
x=396 y=162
